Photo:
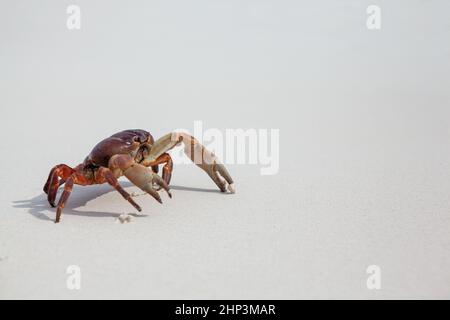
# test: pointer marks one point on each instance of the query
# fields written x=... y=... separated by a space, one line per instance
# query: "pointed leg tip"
x=231 y=188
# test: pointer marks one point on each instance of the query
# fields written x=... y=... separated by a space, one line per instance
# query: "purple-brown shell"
x=125 y=142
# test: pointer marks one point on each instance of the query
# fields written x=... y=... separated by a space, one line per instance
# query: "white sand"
x=364 y=121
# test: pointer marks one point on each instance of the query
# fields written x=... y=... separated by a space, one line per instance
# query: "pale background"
x=364 y=173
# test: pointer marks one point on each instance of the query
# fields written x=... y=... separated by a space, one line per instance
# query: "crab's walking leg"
x=201 y=156
x=58 y=171
x=138 y=174
x=74 y=178
x=53 y=183
x=65 y=195
x=109 y=177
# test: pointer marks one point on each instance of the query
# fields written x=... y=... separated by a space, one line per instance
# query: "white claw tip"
x=231 y=188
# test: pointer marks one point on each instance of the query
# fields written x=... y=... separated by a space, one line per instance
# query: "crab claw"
x=157 y=180
x=144 y=178
x=209 y=162
x=139 y=175
x=198 y=153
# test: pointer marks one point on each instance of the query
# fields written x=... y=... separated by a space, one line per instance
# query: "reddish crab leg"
x=75 y=178
x=56 y=169
x=64 y=197
x=53 y=183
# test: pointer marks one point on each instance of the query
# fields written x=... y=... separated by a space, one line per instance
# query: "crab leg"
x=201 y=156
x=105 y=173
x=74 y=178
x=138 y=174
x=53 y=183
x=64 y=197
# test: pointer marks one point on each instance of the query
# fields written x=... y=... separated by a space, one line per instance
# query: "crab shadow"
x=39 y=207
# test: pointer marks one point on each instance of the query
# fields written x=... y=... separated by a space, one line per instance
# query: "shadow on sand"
x=39 y=206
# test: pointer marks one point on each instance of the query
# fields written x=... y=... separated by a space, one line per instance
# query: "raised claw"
x=201 y=156
x=209 y=162
x=220 y=176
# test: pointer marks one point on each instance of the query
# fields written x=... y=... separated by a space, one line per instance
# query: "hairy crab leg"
x=105 y=173
x=201 y=156
x=138 y=174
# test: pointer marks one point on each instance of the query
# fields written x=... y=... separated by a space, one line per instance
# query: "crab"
x=137 y=156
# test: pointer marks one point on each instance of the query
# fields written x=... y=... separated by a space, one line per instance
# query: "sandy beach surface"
x=364 y=175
